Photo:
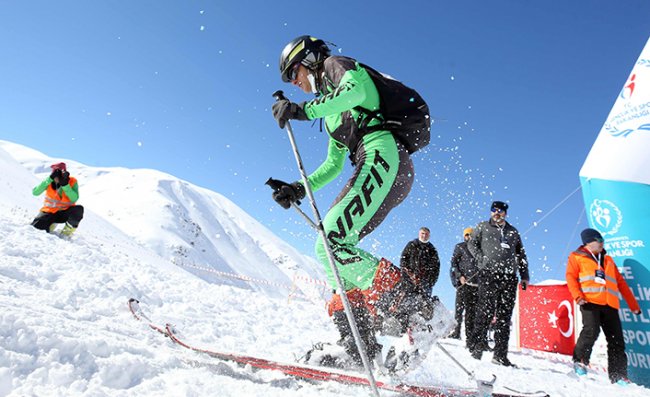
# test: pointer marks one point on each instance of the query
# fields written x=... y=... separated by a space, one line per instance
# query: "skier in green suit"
x=348 y=101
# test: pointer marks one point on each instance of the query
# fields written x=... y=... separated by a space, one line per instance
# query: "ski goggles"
x=293 y=72
x=497 y=210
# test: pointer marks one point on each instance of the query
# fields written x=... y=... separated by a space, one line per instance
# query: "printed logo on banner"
x=628 y=89
x=606 y=216
x=635 y=112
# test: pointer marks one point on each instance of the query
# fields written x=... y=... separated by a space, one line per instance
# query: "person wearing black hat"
x=500 y=255
x=61 y=194
x=595 y=284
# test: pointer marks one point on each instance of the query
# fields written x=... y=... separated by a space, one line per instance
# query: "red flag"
x=547 y=319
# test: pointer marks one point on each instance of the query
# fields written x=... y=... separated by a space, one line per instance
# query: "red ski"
x=308 y=372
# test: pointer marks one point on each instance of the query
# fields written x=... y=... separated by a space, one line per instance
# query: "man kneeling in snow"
x=61 y=194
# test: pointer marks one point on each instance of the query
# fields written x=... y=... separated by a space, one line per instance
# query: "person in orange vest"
x=595 y=284
x=61 y=194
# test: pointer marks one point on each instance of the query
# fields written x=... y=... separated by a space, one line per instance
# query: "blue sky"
x=519 y=91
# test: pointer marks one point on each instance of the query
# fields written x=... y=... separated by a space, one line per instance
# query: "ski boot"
x=409 y=351
x=67 y=231
x=327 y=355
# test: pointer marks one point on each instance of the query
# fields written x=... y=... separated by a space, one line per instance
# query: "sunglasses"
x=497 y=210
x=293 y=73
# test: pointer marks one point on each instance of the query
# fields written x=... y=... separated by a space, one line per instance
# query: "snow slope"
x=193 y=227
x=65 y=329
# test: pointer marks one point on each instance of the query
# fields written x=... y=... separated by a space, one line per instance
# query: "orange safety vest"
x=581 y=280
x=54 y=201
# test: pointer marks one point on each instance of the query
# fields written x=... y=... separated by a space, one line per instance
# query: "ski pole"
x=484 y=387
x=318 y=224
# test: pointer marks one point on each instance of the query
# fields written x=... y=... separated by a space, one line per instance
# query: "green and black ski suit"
x=383 y=173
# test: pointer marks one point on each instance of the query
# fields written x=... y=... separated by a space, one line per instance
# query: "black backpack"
x=401 y=110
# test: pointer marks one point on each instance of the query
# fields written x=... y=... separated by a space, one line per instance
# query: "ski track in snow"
x=65 y=329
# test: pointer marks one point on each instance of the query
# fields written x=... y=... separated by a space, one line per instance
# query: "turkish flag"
x=547 y=318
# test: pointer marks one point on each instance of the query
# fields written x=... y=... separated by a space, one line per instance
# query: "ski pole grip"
x=274 y=184
x=279 y=95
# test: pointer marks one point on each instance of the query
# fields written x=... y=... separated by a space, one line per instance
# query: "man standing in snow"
x=420 y=263
x=464 y=272
x=348 y=101
x=61 y=194
x=595 y=284
x=500 y=254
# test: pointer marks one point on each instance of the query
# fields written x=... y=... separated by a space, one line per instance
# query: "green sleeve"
x=40 y=188
x=355 y=89
x=331 y=167
x=71 y=192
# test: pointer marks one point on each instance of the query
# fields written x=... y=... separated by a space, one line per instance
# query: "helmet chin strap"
x=312 y=82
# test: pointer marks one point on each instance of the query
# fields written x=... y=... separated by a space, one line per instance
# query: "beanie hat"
x=467 y=230
x=58 y=166
x=500 y=205
x=589 y=235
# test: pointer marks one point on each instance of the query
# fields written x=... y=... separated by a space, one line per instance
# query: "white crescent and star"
x=552 y=319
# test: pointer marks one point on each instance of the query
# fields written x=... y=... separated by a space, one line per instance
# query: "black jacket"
x=463 y=264
x=495 y=258
x=420 y=262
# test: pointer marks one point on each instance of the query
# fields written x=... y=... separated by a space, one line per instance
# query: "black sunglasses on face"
x=498 y=210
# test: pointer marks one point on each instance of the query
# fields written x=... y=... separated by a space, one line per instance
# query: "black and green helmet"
x=307 y=50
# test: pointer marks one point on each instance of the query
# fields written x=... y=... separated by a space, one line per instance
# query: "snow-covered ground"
x=65 y=329
x=195 y=228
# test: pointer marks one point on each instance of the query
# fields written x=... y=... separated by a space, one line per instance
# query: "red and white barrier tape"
x=310 y=280
x=260 y=281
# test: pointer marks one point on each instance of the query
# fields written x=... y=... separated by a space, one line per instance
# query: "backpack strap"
x=366 y=116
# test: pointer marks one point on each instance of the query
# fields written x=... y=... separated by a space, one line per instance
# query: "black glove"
x=64 y=179
x=56 y=174
x=283 y=111
x=524 y=285
x=287 y=193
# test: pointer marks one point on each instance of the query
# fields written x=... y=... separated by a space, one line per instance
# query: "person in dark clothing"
x=59 y=206
x=463 y=274
x=420 y=262
x=595 y=284
x=500 y=254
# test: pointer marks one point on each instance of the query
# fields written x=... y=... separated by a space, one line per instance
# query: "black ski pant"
x=466 y=301
x=365 y=325
x=72 y=215
x=496 y=298
x=606 y=317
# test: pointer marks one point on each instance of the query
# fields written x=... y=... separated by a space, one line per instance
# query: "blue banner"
x=620 y=211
